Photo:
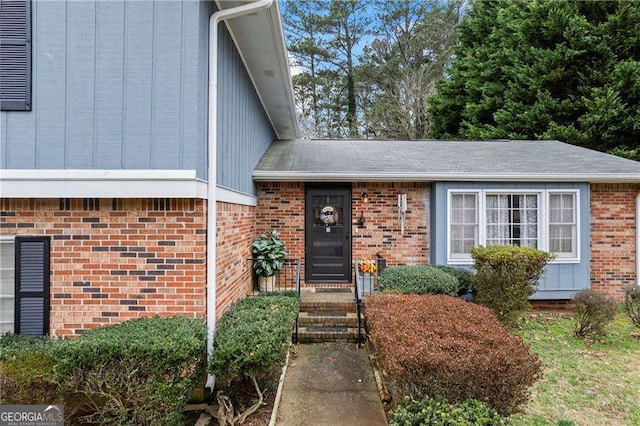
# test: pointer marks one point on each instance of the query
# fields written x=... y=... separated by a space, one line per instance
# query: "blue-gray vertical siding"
x=244 y=130
x=560 y=281
x=123 y=85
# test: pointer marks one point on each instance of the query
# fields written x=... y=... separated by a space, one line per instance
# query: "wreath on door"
x=329 y=215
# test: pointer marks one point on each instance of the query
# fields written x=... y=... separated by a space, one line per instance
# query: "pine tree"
x=545 y=70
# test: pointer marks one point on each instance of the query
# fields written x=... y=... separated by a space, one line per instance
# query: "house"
x=431 y=201
x=145 y=144
x=129 y=133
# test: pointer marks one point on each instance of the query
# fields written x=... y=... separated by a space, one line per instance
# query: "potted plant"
x=368 y=269
x=268 y=259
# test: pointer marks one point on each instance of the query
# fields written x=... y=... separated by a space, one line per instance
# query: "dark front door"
x=327 y=234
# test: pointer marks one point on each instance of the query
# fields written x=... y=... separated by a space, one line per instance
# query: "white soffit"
x=260 y=41
x=29 y=183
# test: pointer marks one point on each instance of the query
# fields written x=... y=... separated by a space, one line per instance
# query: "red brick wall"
x=613 y=236
x=235 y=230
x=129 y=258
x=382 y=230
x=281 y=208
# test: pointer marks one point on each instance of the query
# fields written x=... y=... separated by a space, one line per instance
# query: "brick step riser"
x=325 y=340
x=328 y=322
x=328 y=307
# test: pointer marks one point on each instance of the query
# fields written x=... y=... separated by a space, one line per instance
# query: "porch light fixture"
x=365 y=200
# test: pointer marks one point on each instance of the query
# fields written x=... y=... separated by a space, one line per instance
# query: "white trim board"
x=37 y=183
x=227 y=195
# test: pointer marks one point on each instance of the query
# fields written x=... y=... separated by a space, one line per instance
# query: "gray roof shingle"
x=431 y=160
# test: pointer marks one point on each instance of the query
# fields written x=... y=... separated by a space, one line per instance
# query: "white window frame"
x=543 y=219
x=9 y=240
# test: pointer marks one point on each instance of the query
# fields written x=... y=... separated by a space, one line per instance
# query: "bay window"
x=542 y=219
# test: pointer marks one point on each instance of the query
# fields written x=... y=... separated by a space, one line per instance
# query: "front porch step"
x=339 y=307
x=328 y=319
x=314 y=334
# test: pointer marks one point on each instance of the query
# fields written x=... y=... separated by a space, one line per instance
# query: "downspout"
x=215 y=19
x=638 y=239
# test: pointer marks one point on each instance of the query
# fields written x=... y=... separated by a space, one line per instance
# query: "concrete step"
x=346 y=306
x=328 y=319
x=328 y=334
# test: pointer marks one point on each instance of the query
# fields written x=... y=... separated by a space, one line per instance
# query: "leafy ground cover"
x=584 y=382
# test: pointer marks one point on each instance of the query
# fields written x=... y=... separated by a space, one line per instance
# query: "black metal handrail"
x=365 y=284
x=288 y=279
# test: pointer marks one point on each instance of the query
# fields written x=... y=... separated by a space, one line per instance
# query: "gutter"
x=212 y=133
x=638 y=239
x=338 y=176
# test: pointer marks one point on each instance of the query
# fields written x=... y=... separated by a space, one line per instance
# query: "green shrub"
x=444 y=346
x=141 y=371
x=438 y=412
x=418 y=279
x=594 y=311
x=250 y=346
x=464 y=277
x=26 y=371
x=632 y=304
x=506 y=276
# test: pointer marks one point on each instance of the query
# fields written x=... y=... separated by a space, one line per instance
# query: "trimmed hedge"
x=418 y=279
x=506 y=276
x=249 y=347
x=141 y=371
x=464 y=277
x=443 y=346
x=252 y=337
x=26 y=371
x=438 y=412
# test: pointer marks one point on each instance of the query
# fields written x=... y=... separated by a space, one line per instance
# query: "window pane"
x=567 y=215
x=456 y=201
x=7 y=307
x=7 y=282
x=457 y=216
x=512 y=219
x=463 y=229
x=562 y=224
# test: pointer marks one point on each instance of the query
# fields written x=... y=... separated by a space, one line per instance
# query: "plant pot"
x=267 y=284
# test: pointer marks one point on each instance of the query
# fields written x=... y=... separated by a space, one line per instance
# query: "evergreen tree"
x=412 y=48
x=545 y=70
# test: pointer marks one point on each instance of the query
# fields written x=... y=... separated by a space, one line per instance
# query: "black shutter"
x=32 y=286
x=15 y=55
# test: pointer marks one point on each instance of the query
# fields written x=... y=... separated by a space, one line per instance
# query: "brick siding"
x=235 y=230
x=281 y=208
x=613 y=237
x=116 y=259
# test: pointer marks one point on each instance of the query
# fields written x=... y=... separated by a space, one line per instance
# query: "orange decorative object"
x=367 y=266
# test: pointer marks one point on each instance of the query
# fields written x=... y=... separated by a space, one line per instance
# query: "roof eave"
x=276 y=34
x=270 y=176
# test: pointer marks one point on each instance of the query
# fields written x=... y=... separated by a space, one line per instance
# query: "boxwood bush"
x=444 y=346
x=250 y=346
x=594 y=311
x=141 y=371
x=464 y=277
x=418 y=279
x=438 y=412
x=506 y=276
x=26 y=371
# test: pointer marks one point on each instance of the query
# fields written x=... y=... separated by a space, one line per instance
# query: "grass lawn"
x=584 y=383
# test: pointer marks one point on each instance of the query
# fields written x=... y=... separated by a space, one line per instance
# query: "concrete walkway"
x=330 y=384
